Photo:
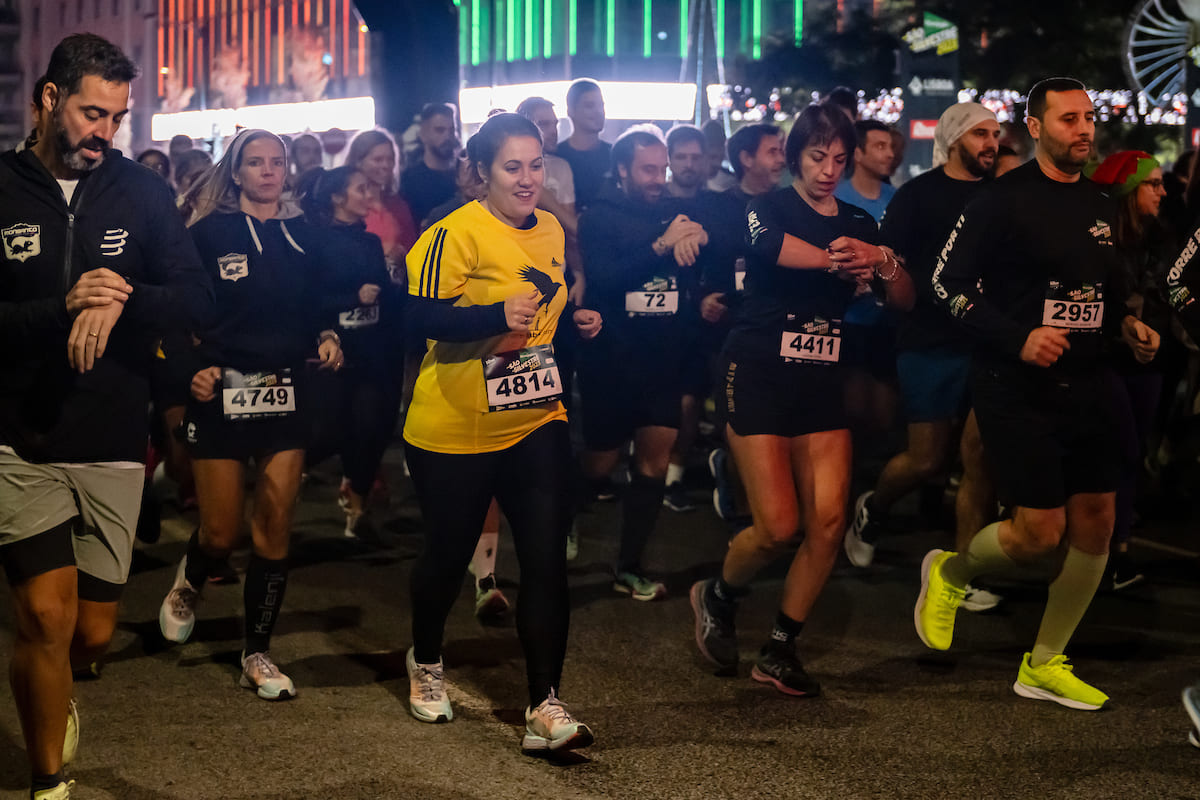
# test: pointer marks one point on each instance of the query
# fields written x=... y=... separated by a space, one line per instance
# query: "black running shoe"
x=715 y=634
x=676 y=498
x=779 y=667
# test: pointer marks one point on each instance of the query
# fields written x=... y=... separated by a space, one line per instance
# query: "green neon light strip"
x=799 y=22
x=529 y=40
x=757 y=40
x=548 y=29
x=720 y=28
x=572 y=31
x=610 y=32
x=683 y=28
x=510 y=31
x=647 y=34
x=476 y=31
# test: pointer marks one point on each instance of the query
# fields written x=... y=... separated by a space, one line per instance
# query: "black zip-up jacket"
x=122 y=216
x=616 y=237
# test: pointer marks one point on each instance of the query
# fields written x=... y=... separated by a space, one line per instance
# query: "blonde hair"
x=215 y=190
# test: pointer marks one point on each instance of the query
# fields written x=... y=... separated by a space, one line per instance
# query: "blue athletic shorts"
x=933 y=384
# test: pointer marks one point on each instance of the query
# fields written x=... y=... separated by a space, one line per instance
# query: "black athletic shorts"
x=760 y=397
x=210 y=435
x=1045 y=438
x=617 y=398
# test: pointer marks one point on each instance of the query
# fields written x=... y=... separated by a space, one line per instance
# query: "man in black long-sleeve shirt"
x=1025 y=272
x=96 y=262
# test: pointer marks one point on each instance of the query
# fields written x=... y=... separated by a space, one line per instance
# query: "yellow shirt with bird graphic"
x=472 y=258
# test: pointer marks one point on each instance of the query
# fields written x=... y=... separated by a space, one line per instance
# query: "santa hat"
x=1125 y=171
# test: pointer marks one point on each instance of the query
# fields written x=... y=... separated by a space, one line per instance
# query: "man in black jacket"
x=96 y=263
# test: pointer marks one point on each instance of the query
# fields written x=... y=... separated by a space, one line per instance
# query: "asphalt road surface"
x=894 y=720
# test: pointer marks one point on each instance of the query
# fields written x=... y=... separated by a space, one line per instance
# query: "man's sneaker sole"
x=1034 y=693
x=926 y=563
x=659 y=592
x=1194 y=738
x=762 y=677
x=978 y=600
x=582 y=737
x=1191 y=704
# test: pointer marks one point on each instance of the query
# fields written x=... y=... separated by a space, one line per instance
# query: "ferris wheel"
x=1159 y=37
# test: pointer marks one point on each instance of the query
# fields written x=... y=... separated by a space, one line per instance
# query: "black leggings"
x=370 y=409
x=530 y=480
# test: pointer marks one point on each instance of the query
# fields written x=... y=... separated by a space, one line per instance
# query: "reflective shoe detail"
x=260 y=673
x=551 y=727
x=427 y=691
x=676 y=499
x=490 y=602
x=71 y=741
x=60 y=792
x=1194 y=737
x=976 y=599
x=573 y=543
x=716 y=636
x=1055 y=681
x=177 y=615
x=937 y=603
x=723 y=501
x=860 y=553
x=639 y=586
x=1191 y=704
x=1122 y=572
x=780 y=668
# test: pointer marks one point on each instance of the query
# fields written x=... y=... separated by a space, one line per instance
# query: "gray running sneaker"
x=551 y=727
x=260 y=673
x=177 y=615
x=427 y=691
x=716 y=637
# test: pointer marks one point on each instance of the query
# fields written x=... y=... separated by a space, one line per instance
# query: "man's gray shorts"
x=81 y=514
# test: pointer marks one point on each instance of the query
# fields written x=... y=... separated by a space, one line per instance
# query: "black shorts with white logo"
x=209 y=434
x=1045 y=437
x=617 y=397
x=781 y=399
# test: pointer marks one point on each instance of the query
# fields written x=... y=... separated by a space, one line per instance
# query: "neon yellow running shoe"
x=1056 y=681
x=938 y=602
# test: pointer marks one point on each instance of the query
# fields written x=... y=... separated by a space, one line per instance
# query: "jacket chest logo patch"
x=233 y=266
x=113 y=243
x=22 y=241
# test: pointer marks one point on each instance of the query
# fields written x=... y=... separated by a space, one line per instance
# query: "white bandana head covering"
x=955 y=121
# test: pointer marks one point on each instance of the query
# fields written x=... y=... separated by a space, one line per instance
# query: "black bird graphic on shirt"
x=25 y=247
x=543 y=283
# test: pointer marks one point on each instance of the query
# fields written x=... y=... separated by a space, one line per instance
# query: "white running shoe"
x=427 y=691
x=860 y=553
x=60 y=792
x=177 y=615
x=573 y=543
x=551 y=727
x=977 y=599
x=71 y=742
x=260 y=673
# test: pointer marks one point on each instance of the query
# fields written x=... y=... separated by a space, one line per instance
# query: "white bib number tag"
x=1079 y=307
x=257 y=395
x=657 y=298
x=359 y=317
x=817 y=342
x=522 y=378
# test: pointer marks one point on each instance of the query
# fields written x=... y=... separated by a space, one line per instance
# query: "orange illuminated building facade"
x=232 y=53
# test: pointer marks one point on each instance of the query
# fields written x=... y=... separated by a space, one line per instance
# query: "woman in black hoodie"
x=357 y=291
x=248 y=397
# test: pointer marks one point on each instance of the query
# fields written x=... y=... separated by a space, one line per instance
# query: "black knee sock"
x=200 y=564
x=639 y=512
x=786 y=630
x=40 y=783
x=266 y=580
